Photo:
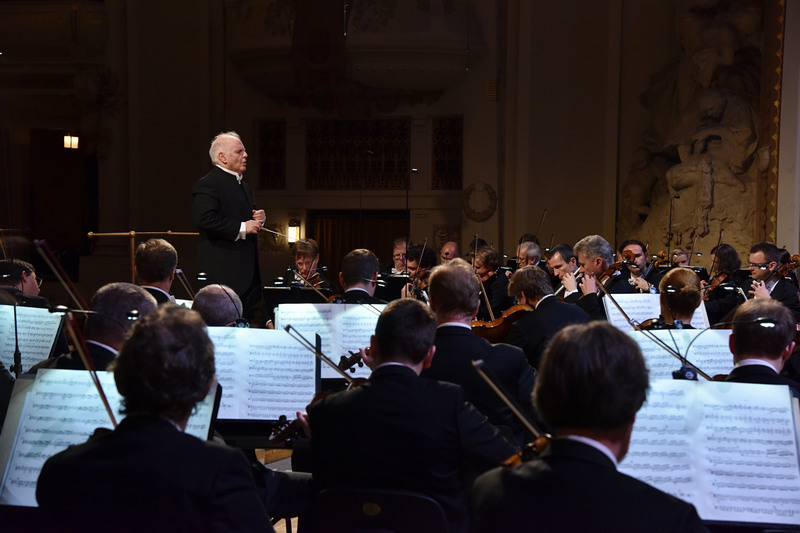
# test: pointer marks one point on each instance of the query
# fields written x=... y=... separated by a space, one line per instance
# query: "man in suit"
x=530 y=286
x=359 y=277
x=154 y=265
x=764 y=258
x=592 y=382
x=107 y=323
x=563 y=265
x=595 y=255
x=761 y=341
x=225 y=214
x=454 y=293
x=399 y=431
x=148 y=474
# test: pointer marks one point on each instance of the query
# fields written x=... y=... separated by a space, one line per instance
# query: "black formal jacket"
x=358 y=296
x=457 y=347
x=762 y=374
x=497 y=294
x=574 y=487
x=534 y=330
x=148 y=476
x=219 y=206
x=160 y=296
x=399 y=431
x=592 y=303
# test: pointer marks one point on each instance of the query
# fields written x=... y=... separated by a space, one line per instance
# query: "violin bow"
x=308 y=283
x=80 y=347
x=480 y=281
x=185 y=282
x=305 y=343
x=49 y=258
x=719 y=242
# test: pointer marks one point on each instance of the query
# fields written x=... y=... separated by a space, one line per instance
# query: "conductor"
x=225 y=214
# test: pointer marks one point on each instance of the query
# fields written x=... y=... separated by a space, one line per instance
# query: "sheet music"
x=264 y=373
x=709 y=353
x=342 y=327
x=64 y=409
x=36 y=328
x=730 y=449
x=641 y=307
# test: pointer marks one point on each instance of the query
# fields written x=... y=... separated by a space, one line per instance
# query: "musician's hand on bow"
x=759 y=290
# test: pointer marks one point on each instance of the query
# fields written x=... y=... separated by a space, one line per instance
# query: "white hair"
x=218 y=142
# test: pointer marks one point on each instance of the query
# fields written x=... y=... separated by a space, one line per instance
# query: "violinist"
x=765 y=281
x=592 y=382
x=638 y=276
x=720 y=293
x=530 y=286
x=563 y=265
x=419 y=261
x=454 y=299
x=759 y=352
x=397 y=266
x=399 y=431
x=679 y=295
x=306 y=259
x=148 y=474
x=494 y=283
x=359 y=277
x=595 y=257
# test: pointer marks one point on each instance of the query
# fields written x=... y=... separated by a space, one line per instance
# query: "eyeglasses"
x=38 y=280
x=761 y=266
x=398 y=256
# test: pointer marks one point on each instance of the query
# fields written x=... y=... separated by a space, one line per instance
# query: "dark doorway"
x=339 y=231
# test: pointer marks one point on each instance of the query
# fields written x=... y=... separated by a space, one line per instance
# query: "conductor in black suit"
x=454 y=290
x=531 y=286
x=224 y=211
x=147 y=474
x=359 y=277
x=761 y=341
x=399 y=431
x=592 y=382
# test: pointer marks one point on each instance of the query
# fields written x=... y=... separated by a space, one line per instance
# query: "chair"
x=377 y=511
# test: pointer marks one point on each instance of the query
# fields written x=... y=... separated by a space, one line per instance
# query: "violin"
x=486 y=277
x=605 y=277
x=716 y=281
x=497 y=330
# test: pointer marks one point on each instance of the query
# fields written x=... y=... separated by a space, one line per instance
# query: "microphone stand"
x=17 y=368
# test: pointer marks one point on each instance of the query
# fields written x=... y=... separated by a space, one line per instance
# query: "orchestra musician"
x=19 y=284
x=454 y=292
x=531 y=286
x=147 y=473
x=765 y=283
x=359 y=277
x=720 y=293
x=593 y=380
x=759 y=352
x=563 y=265
x=595 y=256
x=636 y=271
x=397 y=266
x=419 y=261
x=680 y=257
x=448 y=252
x=219 y=305
x=306 y=260
x=680 y=295
x=154 y=268
x=493 y=282
x=399 y=431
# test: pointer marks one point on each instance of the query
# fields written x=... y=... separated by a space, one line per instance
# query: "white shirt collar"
x=231 y=172
x=594 y=444
x=543 y=298
x=760 y=362
x=457 y=324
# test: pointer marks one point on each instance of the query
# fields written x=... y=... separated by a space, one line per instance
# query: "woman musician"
x=494 y=282
x=720 y=292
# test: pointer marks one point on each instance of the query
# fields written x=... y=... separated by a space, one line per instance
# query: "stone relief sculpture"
x=701 y=151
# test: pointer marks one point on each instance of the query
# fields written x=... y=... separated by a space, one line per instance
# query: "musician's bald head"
x=116 y=307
